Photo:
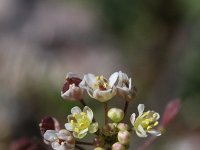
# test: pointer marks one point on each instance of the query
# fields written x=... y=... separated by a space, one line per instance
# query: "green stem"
x=83 y=102
x=84 y=143
x=106 y=112
x=79 y=147
x=125 y=108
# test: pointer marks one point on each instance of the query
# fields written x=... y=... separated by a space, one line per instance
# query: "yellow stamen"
x=156 y=123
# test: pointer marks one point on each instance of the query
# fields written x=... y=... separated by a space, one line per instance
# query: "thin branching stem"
x=125 y=108
x=83 y=102
x=147 y=143
x=79 y=147
x=84 y=143
x=106 y=112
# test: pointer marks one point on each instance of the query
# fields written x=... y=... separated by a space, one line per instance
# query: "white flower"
x=124 y=86
x=71 y=89
x=98 y=87
x=60 y=140
x=145 y=122
x=80 y=122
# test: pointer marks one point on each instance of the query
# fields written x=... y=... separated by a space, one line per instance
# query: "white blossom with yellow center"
x=145 y=122
x=98 y=87
x=80 y=122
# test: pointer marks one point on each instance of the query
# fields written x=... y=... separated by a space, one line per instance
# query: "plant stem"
x=106 y=112
x=125 y=108
x=79 y=147
x=147 y=143
x=84 y=143
x=83 y=102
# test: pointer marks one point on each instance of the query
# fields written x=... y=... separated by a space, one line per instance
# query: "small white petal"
x=132 y=118
x=89 y=112
x=113 y=78
x=71 y=74
x=50 y=135
x=57 y=146
x=63 y=134
x=79 y=136
x=83 y=131
x=56 y=124
x=141 y=131
x=90 y=93
x=158 y=116
x=155 y=132
x=69 y=127
x=140 y=109
x=93 y=127
x=104 y=96
x=141 y=135
x=90 y=79
x=76 y=110
x=130 y=84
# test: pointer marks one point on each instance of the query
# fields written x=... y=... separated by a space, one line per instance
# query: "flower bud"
x=71 y=89
x=124 y=137
x=110 y=129
x=98 y=141
x=118 y=146
x=122 y=126
x=116 y=114
x=48 y=123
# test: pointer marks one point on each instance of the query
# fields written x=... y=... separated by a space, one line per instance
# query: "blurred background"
x=156 y=42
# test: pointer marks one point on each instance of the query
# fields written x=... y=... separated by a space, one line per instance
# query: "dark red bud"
x=69 y=81
x=47 y=123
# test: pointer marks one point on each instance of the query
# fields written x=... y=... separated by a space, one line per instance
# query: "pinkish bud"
x=124 y=137
x=118 y=146
x=71 y=89
x=98 y=141
x=122 y=126
x=171 y=111
x=48 y=123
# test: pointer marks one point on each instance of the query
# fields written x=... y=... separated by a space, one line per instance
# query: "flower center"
x=148 y=120
x=101 y=83
x=81 y=122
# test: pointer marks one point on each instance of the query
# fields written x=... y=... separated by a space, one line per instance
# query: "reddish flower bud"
x=48 y=123
x=171 y=111
x=71 y=89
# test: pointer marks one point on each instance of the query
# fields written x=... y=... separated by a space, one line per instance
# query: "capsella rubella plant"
x=114 y=135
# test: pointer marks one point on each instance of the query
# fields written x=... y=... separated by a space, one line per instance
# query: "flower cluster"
x=114 y=134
